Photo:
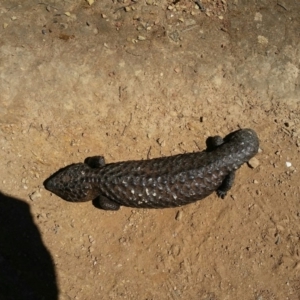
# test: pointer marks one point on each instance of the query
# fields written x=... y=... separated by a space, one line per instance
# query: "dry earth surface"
x=142 y=79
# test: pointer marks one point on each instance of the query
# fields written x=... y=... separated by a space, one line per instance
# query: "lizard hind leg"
x=226 y=185
x=213 y=142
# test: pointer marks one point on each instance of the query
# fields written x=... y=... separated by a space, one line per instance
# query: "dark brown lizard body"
x=160 y=182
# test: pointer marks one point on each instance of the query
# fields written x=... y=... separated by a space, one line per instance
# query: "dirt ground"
x=142 y=79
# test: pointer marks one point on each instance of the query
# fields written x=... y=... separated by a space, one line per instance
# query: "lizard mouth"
x=49 y=185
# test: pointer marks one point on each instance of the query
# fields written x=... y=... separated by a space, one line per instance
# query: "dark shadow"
x=26 y=267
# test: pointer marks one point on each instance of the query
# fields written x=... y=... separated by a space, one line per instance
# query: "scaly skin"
x=160 y=182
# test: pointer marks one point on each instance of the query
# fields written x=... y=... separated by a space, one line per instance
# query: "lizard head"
x=73 y=183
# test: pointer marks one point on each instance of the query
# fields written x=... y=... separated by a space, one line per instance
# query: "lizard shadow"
x=26 y=267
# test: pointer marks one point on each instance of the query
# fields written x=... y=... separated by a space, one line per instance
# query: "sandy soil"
x=137 y=79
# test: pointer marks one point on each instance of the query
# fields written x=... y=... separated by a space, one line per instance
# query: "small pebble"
x=253 y=162
x=175 y=250
x=122 y=240
x=262 y=40
x=258 y=17
x=288 y=164
x=179 y=215
x=35 y=195
x=161 y=142
x=190 y=22
x=136 y=17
